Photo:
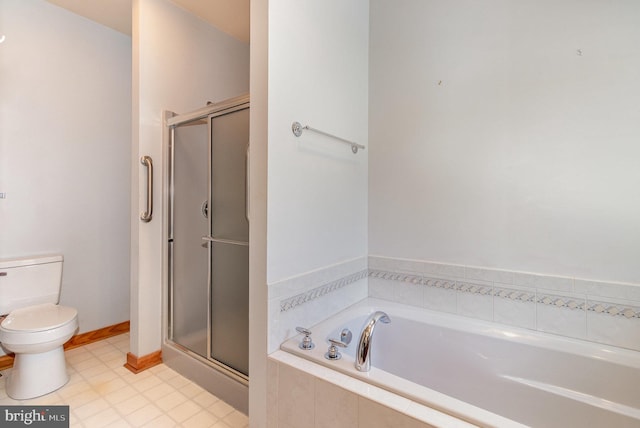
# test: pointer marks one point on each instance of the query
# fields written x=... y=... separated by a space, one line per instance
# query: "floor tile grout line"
x=88 y=372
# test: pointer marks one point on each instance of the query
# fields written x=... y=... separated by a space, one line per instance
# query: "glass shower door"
x=188 y=310
x=209 y=238
x=229 y=246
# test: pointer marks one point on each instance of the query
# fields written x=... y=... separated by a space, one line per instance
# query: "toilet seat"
x=39 y=317
x=38 y=324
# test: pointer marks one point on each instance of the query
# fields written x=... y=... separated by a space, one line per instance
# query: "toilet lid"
x=39 y=317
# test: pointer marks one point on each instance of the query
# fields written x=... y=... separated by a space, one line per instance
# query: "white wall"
x=316 y=56
x=317 y=209
x=65 y=131
x=180 y=62
x=505 y=134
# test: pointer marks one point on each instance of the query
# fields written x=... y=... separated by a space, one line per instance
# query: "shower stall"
x=207 y=298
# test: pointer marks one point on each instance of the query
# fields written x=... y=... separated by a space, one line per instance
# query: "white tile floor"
x=101 y=392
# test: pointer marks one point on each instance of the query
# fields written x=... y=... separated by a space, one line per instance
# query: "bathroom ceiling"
x=230 y=16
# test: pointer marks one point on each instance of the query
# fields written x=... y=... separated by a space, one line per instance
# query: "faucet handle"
x=332 y=353
x=337 y=342
x=306 y=344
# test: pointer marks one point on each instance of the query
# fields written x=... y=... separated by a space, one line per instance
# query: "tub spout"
x=363 y=353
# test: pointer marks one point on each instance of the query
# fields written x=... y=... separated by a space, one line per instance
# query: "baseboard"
x=138 y=364
x=97 y=335
x=6 y=361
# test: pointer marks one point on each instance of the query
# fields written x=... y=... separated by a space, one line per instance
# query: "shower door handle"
x=146 y=216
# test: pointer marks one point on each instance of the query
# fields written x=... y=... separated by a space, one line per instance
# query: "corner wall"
x=504 y=135
x=65 y=132
x=317 y=204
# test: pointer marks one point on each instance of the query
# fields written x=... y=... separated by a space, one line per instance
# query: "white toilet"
x=36 y=327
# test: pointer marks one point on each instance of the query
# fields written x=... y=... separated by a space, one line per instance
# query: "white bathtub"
x=484 y=373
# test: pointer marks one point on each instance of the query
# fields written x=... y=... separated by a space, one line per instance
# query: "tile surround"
x=566 y=306
x=607 y=313
x=325 y=398
x=312 y=297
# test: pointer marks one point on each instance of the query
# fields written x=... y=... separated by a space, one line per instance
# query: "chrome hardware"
x=306 y=343
x=346 y=336
x=332 y=353
x=297 y=129
x=146 y=216
x=363 y=353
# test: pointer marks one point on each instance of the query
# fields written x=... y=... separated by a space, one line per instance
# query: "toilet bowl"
x=36 y=327
x=35 y=335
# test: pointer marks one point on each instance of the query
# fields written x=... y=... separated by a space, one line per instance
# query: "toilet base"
x=34 y=375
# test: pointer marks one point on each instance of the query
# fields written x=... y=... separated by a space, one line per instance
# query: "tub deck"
x=485 y=373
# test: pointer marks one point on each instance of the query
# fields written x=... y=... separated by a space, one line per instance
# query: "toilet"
x=35 y=327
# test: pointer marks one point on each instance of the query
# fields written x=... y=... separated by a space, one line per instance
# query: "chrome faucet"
x=363 y=353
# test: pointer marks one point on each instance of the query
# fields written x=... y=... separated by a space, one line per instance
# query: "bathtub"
x=484 y=373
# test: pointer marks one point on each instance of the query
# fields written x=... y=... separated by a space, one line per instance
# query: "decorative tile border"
x=615 y=310
x=469 y=287
x=300 y=299
x=394 y=276
x=511 y=294
x=439 y=283
x=561 y=301
x=532 y=296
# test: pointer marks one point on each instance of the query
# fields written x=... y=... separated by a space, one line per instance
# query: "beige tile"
x=107 y=356
x=143 y=415
x=77 y=355
x=161 y=369
x=163 y=421
x=132 y=404
x=146 y=383
x=170 y=401
x=295 y=397
x=191 y=390
x=335 y=407
x=86 y=364
x=106 y=418
x=178 y=382
x=102 y=393
x=120 y=395
x=236 y=419
x=374 y=415
x=203 y=419
x=221 y=409
x=272 y=393
x=205 y=399
x=69 y=390
x=115 y=363
x=91 y=408
x=105 y=386
x=184 y=411
x=82 y=398
x=159 y=391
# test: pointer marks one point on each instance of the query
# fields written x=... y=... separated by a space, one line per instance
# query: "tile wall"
x=306 y=395
x=307 y=299
x=602 y=312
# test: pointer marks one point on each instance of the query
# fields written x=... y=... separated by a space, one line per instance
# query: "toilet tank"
x=29 y=281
